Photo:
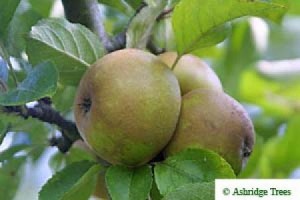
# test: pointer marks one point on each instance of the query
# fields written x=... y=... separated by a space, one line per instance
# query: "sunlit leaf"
x=190 y=166
x=196 y=21
x=295 y=7
x=71 y=47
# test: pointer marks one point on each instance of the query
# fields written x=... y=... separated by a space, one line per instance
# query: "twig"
x=62 y=143
x=44 y=112
x=87 y=13
x=119 y=41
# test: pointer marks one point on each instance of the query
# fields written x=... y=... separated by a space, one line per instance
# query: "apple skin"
x=127 y=107
x=213 y=120
x=192 y=73
x=80 y=144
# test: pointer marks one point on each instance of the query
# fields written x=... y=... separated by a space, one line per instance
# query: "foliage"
x=190 y=166
x=44 y=56
x=124 y=183
x=71 y=47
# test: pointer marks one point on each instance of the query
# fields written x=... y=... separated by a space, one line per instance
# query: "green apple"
x=127 y=106
x=213 y=120
x=192 y=73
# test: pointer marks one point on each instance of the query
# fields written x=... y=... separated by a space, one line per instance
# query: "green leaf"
x=37 y=152
x=134 y=3
x=42 y=8
x=129 y=183
x=85 y=186
x=266 y=126
x=196 y=21
x=7 y=10
x=190 y=166
x=154 y=193
x=239 y=45
x=76 y=154
x=63 y=98
x=194 y=191
x=163 y=35
x=57 y=161
x=19 y=28
x=37 y=131
x=142 y=25
x=120 y=5
x=75 y=182
x=295 y=7
x=72 y=47
x=41 y=82
x=10 y=152
x=10 y=177
x=214 y=36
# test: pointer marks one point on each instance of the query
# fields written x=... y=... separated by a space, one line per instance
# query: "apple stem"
x=175 y=62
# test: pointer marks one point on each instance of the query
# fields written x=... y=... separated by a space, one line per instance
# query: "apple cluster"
x=130 y=106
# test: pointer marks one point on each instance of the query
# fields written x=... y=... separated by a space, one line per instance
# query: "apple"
x=192 y=73
x=213 y=120
x=127 y=106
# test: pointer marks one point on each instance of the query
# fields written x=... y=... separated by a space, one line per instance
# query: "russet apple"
x=213 y=120
x=192 y=72
x=127 y=106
